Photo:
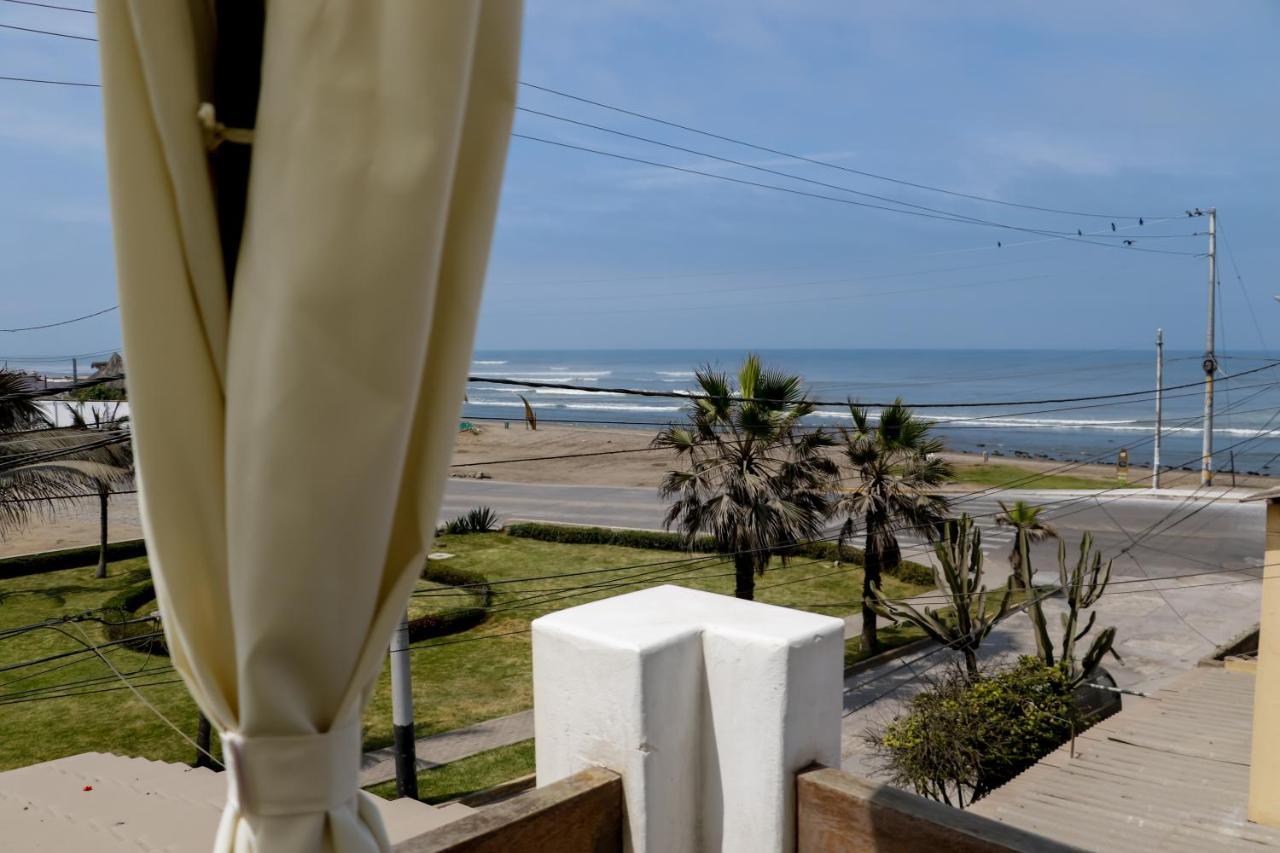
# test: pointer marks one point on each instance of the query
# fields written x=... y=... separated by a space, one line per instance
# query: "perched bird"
x=1079 y=233
x=1113 y=226
x=1140 y=220
x=1128 y=242
x=999 y=244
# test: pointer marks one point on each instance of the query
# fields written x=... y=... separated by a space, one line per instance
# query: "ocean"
x=1246 y=424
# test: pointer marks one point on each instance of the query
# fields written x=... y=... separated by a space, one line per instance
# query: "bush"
x=962 y=738
x=482 y=519
x=654 y=540
x=118 y=620
x=473 y=582
x=107 y=391
x=68 y=558
x=445 y=622
x=573 y=535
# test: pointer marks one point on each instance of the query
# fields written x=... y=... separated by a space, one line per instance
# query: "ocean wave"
x=556 y=392
x=488 y=362
x=1056 y=424
x=551 y=374
x=619 y=407
x=677 y=374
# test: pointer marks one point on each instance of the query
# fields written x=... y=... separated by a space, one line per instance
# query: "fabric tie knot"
x=292 y=774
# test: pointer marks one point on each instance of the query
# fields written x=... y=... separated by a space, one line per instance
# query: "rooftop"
x=1166 y=773
x=103 y=802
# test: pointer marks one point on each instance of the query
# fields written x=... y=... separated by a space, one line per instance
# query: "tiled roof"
x=1169 y=773
x=102 y=802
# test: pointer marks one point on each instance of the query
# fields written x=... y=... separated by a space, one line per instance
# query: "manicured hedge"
x=445 y=622
x=119 y=613
x=907 y=572
x=453 y=620
x=472 y=582
x=69 y=558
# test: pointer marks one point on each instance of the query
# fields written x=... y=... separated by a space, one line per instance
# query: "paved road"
x=1204 y=534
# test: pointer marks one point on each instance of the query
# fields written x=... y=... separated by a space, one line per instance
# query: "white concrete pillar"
x=706 y=705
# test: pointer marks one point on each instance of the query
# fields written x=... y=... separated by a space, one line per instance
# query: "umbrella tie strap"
x=216 y=133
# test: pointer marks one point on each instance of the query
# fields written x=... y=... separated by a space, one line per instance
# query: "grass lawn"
x=469 y=775
x=1014 y=476
x=458 y=680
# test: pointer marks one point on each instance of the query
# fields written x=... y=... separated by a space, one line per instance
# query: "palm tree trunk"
x=1015 y=560
x=104 y=496
x=870 y=642
x=744 y=577
x=871 y=558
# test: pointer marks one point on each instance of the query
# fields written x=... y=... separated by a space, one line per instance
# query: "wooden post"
x=1264 y=764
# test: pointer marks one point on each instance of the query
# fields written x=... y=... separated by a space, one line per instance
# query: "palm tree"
x=1028 y=528
x=40 y=464
x=18 y=411
x=750 y=479
x=895 y=470
x=103 y=468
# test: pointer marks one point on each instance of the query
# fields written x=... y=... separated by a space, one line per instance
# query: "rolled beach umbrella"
x=294 y=422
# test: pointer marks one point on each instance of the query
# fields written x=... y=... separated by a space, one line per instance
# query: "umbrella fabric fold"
x=292 y=441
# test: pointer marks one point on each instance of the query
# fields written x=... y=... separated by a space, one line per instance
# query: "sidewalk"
x=435 y=750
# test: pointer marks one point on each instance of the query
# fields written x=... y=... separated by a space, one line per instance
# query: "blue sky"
x=1128 y=108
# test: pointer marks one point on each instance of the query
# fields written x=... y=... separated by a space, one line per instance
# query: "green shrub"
x=69 y=558
x=119 y=620
x=963 y=737
x=567 y=534
x=105 y=391
x=482 y=519
x=445 y=622
x=472 y=582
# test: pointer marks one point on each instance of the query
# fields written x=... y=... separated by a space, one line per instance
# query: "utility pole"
x=1210 y=361
x=1155 y=456
x=402 y=711
x=75 y=372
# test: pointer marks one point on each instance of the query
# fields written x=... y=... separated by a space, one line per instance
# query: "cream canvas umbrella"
x=293 y=438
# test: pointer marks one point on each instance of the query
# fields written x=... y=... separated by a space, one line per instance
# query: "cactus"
x=1040 y=626
x=1083 y=586
x=959 y=575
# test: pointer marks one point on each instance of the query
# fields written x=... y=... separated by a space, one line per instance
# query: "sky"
x=1125 y=109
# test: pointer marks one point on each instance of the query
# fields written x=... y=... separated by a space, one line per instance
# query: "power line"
x=815 y=161
x=46 y=32
x=848 y=201
x=62 y=322
x=1243 y=290
x=709 y=134
x=50 y=6
x=793 y=176
x=73 y=83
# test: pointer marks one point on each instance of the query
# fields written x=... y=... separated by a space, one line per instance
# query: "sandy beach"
x=520 y=455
